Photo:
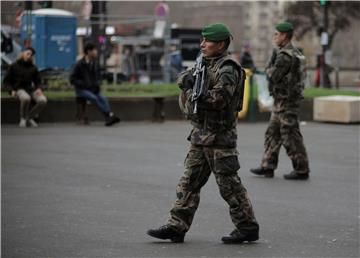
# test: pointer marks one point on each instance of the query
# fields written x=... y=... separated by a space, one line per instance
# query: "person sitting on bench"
x=86 y=79
x=23 y=81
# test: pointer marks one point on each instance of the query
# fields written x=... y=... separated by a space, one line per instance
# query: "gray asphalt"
x=77 y=191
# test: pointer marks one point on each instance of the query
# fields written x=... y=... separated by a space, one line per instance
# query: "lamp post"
x=324 y=40
x=28 y=9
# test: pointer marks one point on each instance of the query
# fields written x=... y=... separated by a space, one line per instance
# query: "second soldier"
x=286 y=73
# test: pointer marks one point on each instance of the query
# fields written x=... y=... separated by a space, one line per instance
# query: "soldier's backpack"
x=297 y=75
x=238 y=100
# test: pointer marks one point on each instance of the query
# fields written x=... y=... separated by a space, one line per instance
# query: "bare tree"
x=330 y=17
x=307 y=16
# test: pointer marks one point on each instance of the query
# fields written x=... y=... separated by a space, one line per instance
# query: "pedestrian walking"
x=246 y=59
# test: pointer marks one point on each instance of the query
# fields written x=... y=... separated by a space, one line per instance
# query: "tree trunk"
x=327 y=67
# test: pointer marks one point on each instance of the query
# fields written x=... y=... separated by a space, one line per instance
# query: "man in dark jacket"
x=23 y=81
x=86 y=79
x=246 y=60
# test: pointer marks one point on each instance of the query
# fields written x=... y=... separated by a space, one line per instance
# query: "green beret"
x=284 y=27
x=216 y=32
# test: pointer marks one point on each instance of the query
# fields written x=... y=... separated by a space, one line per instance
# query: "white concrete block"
x=341 y=109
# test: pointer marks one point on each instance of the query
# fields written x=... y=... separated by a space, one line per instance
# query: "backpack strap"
x=239 y=92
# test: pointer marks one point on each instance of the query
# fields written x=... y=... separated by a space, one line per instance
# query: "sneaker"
x=260 y=171
x=167 y=232
x=236 y=237
x=296 y=176
x=32 y=123
x=111 y=120
x=22 y=122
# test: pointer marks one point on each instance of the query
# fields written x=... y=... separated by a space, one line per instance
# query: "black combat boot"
x=236 y=237
x=296 y=176
x=260 y=171
x=167 y=232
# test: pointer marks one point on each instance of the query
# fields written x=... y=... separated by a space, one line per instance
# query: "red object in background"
x=161 y=10
x=102 y=39
x=27 y=43
x=18 y=14
x=317 y=77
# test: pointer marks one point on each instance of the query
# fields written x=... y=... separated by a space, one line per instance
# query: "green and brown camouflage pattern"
x=199 y=163
x=216 y=119
x=213 y=145
x=286 y=75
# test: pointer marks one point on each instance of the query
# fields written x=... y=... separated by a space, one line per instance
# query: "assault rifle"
x=198 y=88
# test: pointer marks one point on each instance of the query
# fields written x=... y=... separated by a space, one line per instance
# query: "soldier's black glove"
x=273 y=58
x=96 y=89
x=186 y=80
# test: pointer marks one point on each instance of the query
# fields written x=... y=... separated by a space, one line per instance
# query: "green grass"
x=59 y=94
x=171 y=90
x=141 y=90
x=310 y=93
x=319 y=92
x=122 y=90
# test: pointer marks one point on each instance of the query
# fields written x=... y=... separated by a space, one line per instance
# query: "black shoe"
x=167 y=232
x=112 y=120
x=296 y=176
x=262 y=172
x=236 y=237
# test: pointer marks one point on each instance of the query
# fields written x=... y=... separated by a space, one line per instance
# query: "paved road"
x=76 y=191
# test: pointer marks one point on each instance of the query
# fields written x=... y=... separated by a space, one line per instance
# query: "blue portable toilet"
x=53 y=37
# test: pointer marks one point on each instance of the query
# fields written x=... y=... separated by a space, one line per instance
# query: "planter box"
x=341 y=109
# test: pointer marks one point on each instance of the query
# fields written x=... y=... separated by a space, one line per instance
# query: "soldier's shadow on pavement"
x=166 y=243
x=195 y=242
x=280 y=178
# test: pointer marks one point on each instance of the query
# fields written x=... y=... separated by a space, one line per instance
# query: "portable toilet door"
x=53 y=38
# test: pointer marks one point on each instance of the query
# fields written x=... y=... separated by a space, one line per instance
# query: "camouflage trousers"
x=199 y=164
x=283 y=130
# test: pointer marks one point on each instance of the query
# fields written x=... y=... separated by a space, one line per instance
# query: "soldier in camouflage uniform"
x=213 y=142
x=285 y=73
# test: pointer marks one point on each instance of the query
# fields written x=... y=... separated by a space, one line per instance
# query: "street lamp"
x=324 y=40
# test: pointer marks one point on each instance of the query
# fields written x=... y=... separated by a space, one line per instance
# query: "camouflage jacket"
x=286 y=74
x=215 y=122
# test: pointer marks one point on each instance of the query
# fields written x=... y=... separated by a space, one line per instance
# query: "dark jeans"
x=100 y=101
